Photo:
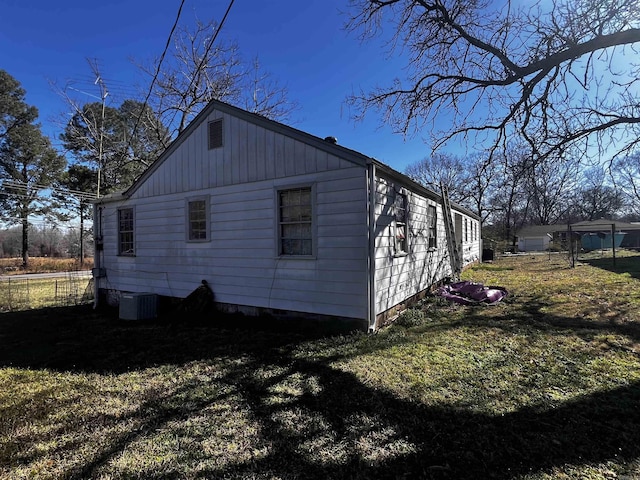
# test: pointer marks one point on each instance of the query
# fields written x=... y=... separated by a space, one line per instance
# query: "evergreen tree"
x=28 y=165
x=14 y=111
x=119 y=143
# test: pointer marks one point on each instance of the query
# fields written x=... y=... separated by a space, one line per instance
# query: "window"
x=401 y=217
x=197 y=220
x=432 y=222
x=125 y=232
x=215 y=134
x=466 y=231
x=295 y=222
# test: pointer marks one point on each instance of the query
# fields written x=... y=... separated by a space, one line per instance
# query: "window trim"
x=398 y=251
x=207 y=207
x=122 y=252
x=278 y=224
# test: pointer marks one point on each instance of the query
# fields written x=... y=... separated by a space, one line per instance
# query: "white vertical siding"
x=250 y=153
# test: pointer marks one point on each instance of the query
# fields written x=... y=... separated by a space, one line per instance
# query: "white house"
x=276 y=221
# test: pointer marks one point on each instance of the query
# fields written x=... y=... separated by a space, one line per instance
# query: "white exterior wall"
x=240 y=260
x=533 y=244
x=399 y=277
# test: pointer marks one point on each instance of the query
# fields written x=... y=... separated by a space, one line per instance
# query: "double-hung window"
x=432 y=226
x=126 y=240
x=401 y=220
x=198 y=219
x=295 y=222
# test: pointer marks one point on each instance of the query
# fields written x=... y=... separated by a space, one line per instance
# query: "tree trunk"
x=25 y=243
x=81 y=235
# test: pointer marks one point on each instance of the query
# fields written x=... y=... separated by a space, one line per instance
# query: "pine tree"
x=29 y=165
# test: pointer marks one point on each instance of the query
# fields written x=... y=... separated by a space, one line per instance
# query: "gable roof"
x=259 y=120
x=320 y=143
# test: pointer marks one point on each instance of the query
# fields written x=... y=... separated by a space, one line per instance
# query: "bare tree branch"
x=553 y=74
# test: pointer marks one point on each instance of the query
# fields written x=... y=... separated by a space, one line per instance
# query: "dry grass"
x=13 y=266
x=545 y=385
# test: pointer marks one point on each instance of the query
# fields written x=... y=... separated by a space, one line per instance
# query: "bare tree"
x=551 y=186
x=596 y=198
x=199 y=70
x=203 y=67
x=265 y=96
x=441 y=169
x=626 y=173
x=557 y=73
x=509 y=201
x=481 y=180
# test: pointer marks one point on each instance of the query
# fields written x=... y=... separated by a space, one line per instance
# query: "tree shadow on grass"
x=329 y=424
x=383 y=436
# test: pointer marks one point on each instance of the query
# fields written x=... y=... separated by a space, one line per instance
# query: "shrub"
x=411 y=317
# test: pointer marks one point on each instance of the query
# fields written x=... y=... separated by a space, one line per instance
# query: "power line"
x=206 y=52
x=23 y=188
x=155 y=76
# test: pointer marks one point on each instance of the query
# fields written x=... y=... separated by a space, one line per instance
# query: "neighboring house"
x=276 y=221
x=538 y=238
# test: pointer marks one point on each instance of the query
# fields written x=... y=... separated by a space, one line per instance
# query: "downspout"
x=371 y=264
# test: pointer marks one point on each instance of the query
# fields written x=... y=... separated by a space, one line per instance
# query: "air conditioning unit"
x=138 y=306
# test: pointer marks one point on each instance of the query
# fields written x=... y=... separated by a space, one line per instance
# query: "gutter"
x=371 y=263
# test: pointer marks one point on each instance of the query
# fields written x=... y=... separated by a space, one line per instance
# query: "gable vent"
x=215 y=134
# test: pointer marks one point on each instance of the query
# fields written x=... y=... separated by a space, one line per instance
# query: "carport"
x=598 y=227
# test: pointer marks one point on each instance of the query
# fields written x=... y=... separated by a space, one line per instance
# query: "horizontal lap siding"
x=240 y=260
x=398 y=277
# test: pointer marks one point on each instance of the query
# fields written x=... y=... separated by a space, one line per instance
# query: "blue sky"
x=301 y=43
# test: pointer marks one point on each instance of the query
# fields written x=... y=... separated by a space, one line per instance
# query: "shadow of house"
x=365 y=432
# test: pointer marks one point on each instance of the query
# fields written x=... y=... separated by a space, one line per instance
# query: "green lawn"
x=545 y=385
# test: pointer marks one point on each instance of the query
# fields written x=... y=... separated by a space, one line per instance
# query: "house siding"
x=400 y=276
x=250 y=153
x=240 y=260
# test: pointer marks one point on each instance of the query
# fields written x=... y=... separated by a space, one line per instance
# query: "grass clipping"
x=544 y=385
